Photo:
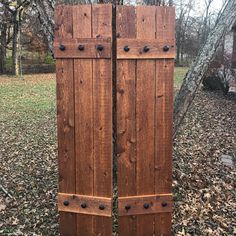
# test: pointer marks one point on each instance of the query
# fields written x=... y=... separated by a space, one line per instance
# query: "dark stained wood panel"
x=145 y=49
x=84 y=204
x=126 y=118
x=82 y=20
x=144 y=115
x=65 y=118
x=102 y=113
x=145 y=89
x=85 y=88
x=89 y=48
x=165 y=28
x=144 y=104
x=160 y=203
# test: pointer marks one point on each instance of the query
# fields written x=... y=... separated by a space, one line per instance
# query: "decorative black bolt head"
x=164 y=204
x=101 y=207
x=62 y=47
x=81 y=47
x=146 y=205
x=146 y=49
x=166 y=48
x=99 y=47
x=66 y=203
x=127 y=207
x=83 y=205
x=126 y=48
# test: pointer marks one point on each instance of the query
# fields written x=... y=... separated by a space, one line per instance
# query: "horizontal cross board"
x=146 y=204
x=82 y=204
x=82 y=48
x=145 y=49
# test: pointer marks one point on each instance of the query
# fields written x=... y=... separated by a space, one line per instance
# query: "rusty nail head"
x=164 y=204
x=101 y=207
x=146 y=49
x=62 y=47
x=126 y=48
x=166 y=48
x=83 y=205
x=99 y=47
x=81 y=47
x=127 y=207
x=146 y=205
x=66 y=203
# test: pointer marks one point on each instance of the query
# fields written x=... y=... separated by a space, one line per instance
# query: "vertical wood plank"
x=65 y=119
x=165 y=23
x=82 y=18
x=126 y=123
x=102 y=112
x=165 y=19
x=126 y=138
x=82 y=21
x=63 y=22
x=145 y=89
x=163 y=159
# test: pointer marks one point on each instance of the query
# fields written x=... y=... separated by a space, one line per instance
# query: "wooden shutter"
x=144 y=88
x=84 y=95
x=145 y=64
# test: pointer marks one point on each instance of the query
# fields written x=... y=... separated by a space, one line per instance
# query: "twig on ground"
x=5 y=191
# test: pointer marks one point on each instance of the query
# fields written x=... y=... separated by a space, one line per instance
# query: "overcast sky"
x=200 y=6
x=217 y=4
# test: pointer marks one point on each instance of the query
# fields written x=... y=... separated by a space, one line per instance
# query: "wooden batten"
x=145 y=49
x=82 y=204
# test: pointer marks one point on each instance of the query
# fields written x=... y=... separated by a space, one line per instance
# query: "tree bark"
x=45 y=11
x=15 y=45
x=3 y=40
x=3 y=44
x=200 y=66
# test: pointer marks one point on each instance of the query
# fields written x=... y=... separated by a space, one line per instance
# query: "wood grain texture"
x=102 y=112
x=165 y=23
x=63 y=22
x=145 y=89
x=144 y=164
x=65 y=118
x=75 y=202
x=163 y=160
x=144 y=119
x=160 y=203
x=136 y=49
x=82 y=19
x=89 y=51
x=82 y=16
x=165 y=28
x=126 y=121
x=102 y=21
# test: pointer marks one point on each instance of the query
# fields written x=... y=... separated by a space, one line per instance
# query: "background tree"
x=16 y=10
x=200 y=66
x=3 y=37
x=182 y=25
x=206 y=22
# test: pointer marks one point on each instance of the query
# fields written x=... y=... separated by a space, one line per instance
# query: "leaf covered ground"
x=28 y=165
x=205 y=193
x=204 y=188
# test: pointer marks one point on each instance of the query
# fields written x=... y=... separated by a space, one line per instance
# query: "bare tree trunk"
x=3 y=40
x=45 y=11
x=15 y=45
x=200 y=66
x=3 y=44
